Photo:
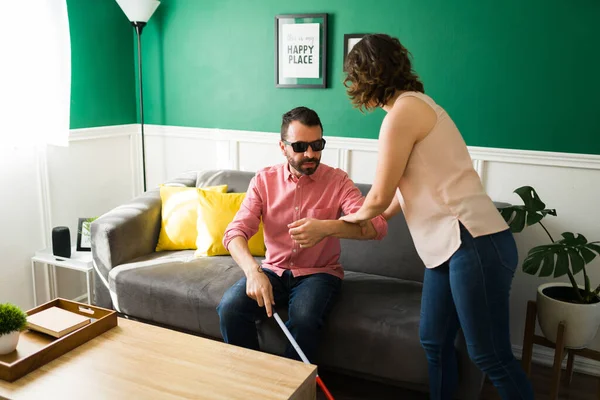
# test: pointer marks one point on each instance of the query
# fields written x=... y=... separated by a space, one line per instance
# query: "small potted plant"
x=12 y=322
x=577 y=305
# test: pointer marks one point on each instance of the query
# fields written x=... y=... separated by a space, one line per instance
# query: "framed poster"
x=301 y=51
x=350 y=39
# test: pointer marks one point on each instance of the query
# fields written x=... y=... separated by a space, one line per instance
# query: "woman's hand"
x=356 y=219
x=352 y=218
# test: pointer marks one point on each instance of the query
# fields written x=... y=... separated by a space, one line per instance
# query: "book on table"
x=57 y=322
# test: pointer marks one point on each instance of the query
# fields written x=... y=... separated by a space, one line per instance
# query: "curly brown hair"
x=377 y=67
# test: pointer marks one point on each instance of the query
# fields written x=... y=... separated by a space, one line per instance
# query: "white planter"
x=581 y=320
x=8 y=342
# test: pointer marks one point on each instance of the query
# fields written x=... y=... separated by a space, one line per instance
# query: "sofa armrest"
x=126 y=232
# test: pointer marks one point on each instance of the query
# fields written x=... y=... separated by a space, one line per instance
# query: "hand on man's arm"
x=258 y=286
x=307 y=232
x=351 y=201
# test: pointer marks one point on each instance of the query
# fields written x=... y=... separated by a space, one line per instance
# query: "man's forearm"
x=238 y=247
x=346 y=230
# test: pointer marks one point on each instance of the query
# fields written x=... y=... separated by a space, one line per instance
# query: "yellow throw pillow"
x=215 y=212
x=179 y=216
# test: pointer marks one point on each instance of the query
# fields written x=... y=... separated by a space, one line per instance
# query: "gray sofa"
x=372 y=332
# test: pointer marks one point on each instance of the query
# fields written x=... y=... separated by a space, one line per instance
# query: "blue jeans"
x=309 y=300
x=471 y=291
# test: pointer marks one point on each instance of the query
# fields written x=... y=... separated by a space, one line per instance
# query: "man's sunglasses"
x=301 y=147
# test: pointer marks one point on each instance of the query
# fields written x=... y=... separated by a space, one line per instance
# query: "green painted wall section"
x=513 y=74
x=102 y=64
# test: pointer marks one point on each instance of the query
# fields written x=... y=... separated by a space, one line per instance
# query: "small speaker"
x=61 y=241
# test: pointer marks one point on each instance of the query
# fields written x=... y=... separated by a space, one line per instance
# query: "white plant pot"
x=581 y=320
x=8 y=342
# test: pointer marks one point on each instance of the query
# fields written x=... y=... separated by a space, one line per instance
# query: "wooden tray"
x=36 y=349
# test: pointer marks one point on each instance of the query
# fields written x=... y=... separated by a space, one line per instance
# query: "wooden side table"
x=530 y=338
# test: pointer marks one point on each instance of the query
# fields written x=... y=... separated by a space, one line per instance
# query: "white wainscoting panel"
x=86 y=179
x=85 y=183
x=564 y=181
x=361 y=165
x=255 y=156
x=571 y=192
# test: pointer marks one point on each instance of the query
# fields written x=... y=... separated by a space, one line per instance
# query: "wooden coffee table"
x=135 y=360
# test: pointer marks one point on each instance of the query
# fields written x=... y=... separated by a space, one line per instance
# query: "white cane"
x=300 y=353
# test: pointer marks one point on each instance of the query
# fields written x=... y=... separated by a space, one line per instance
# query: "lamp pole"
x=139 y=26
x=139 y=12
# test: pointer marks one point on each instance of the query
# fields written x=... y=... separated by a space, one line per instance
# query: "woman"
x=424 y=169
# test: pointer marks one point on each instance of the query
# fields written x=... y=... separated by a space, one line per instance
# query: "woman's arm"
x=407 y=122
x=307 y=232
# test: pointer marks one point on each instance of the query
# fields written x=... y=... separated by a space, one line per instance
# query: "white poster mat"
x=299 y=51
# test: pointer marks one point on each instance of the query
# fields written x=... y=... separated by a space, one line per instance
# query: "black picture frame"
x=84 y=234
x=301 y=82
x=347 y=38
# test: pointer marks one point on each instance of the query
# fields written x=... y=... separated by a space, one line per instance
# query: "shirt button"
x=298 y=187
x=294 y=250
x=296 y=208
x=292 y=264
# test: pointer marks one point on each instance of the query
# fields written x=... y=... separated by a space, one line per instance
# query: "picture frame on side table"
x=350 y=39
x=84 y=234
x=301 y=51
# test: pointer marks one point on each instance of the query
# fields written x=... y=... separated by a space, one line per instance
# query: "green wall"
x=522 y=74
x=102 y=64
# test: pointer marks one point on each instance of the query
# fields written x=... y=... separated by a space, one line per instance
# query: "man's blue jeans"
x=471 y=291
x=309 y=300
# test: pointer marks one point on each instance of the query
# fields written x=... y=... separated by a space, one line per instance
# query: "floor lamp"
x=139 y=12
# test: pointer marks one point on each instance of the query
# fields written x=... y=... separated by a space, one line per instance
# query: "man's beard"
x=304 y=170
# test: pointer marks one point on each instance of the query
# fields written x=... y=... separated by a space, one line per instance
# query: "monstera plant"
x=568 y=256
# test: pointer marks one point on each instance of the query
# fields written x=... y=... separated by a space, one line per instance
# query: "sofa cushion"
x=175 y=288
x=373 y=329
x=238 y=181
x=215 y=213
x=179 y=214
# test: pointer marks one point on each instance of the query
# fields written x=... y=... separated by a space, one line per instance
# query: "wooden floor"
x=583 y=387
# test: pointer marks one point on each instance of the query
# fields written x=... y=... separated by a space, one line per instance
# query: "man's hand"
x=307 y=232
x=258 y=287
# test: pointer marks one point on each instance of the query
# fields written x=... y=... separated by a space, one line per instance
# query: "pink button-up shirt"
x=281 y=198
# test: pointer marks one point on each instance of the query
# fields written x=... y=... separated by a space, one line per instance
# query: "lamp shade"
x=138 y=10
